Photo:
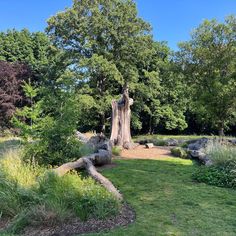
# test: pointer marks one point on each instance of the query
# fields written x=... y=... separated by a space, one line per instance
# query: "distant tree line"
x=91 y=50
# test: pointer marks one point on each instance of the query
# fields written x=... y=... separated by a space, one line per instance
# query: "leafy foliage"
x=223 y=171
x=53 y=135
x=25 y=47
x=179 y=152
x=12 y=77
x=208 y=62
x=109 y=45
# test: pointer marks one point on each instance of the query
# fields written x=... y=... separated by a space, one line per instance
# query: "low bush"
x=222 y=173
x=32 y=195
x=179 y=152
x=221 y=155
x=221 y=177
x=53 y=151
x=159 y=142
x=116 y=151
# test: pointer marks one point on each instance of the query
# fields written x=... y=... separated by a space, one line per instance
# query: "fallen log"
x=101 y=157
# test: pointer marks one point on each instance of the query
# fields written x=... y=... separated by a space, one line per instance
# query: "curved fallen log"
x=101 y=157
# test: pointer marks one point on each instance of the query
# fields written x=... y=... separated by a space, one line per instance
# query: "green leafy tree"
x=25 y=47
x=208 y=61
x=105 y=41
x=159 y=95
x=48 y=124
x=108 y=46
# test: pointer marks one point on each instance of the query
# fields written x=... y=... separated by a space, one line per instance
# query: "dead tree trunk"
x=121 y=116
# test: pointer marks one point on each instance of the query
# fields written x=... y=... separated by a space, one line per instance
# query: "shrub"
x=221 y=177
x=179 y=152
x=222 y=173
x=159 y=142
x=221 y=155
x=32 y=195
x=116 y=151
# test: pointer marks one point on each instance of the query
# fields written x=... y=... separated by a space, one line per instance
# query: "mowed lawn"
x=168 y=202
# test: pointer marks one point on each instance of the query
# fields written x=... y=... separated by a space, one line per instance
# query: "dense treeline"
x=91 y=50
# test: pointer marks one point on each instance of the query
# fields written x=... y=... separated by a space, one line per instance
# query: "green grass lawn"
x=186 y=137
x=168 y=202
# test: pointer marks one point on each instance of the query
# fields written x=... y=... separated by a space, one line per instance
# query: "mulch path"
x=76 y=226
x=141 y=152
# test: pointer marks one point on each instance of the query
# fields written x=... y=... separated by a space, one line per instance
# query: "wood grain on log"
x=121 y=116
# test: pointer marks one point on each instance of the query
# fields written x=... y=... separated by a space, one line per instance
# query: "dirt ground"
x=141 y=152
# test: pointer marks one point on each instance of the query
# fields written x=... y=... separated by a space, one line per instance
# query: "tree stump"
x=121 y=116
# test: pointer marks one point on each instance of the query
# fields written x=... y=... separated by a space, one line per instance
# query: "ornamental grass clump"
x=222 y=172
x=34 y=195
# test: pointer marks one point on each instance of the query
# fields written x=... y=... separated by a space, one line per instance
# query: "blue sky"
x=172 y=20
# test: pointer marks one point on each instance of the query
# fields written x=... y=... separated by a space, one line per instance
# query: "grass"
x=8 y=142
x=222 y=172
x=168 y=202
x=160 y=136
x=221 y=154
x=164 y=137
x=34 y=195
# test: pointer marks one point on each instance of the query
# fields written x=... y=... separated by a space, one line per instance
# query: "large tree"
x=33 y=49
x=109 y=45
x=106 y=41
x=24 y=56
x=208 y=61
x=159 y=94
x=12 y=77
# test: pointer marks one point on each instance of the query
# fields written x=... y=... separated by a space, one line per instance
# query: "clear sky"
x=172 y=20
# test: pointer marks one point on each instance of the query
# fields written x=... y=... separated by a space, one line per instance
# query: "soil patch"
x=76 y=226
x=141 y=152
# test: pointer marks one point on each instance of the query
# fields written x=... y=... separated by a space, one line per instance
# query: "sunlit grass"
x=168 y=202
x=185 y=137
x=34 y=195
x=14 y=169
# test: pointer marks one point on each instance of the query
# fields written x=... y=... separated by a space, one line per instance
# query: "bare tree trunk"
x=221 y=132
x=102 y=123
x=121 y=116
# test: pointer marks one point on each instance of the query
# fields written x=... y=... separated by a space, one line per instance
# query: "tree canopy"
x=209 y=64
x=93 y=49
x=109 y=45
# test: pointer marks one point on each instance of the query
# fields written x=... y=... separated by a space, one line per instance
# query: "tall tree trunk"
x=221 y=129
x=121 y=116
x=102 y=124
x=221 y=132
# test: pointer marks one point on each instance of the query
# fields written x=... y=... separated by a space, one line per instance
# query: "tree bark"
x=102 y=157
x=121 y=116
x=221 y=132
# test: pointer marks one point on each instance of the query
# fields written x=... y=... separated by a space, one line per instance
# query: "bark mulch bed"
x=141 y=152
x=76 y=226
